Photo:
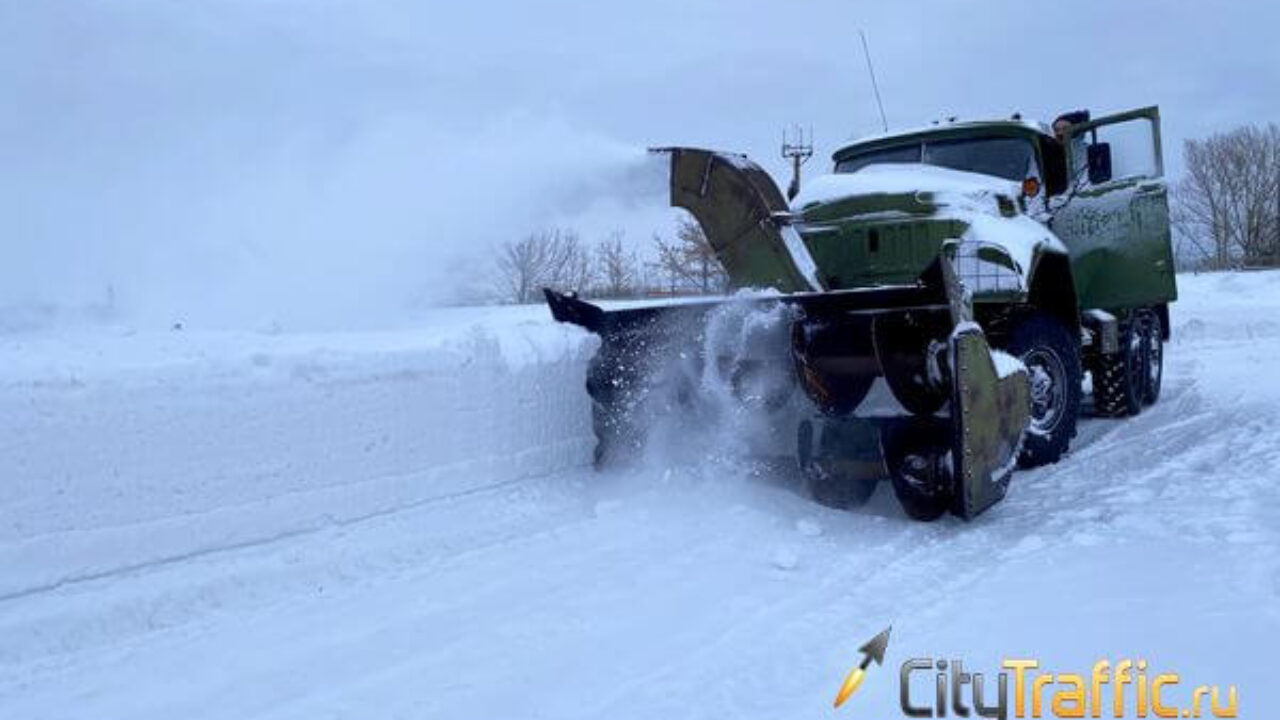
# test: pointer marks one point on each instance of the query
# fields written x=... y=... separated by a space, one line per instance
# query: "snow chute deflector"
x=954 y=441
x=740 y=209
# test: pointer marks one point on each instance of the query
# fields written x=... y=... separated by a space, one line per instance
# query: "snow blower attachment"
x=951 y=440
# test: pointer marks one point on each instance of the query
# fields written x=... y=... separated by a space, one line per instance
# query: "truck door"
x=1114 y=217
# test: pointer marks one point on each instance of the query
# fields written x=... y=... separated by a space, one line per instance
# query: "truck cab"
x=1061 y=241
x=1100 y=190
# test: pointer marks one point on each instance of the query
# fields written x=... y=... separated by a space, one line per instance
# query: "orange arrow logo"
x=873 y=649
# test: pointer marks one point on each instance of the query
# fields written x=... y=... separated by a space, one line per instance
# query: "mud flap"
x=741 y=212
x=989 y=415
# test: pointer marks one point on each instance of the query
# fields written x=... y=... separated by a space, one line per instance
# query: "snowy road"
x=404 y=525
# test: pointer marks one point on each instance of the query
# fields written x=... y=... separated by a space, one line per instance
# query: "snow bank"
x=1230 y=324
x=123 y=450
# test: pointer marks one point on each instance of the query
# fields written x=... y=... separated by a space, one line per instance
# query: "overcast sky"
x=327 y=163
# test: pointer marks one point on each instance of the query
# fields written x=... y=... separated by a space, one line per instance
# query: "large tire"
x=1052 y=356
x=1120 y=379
x=1154 y=346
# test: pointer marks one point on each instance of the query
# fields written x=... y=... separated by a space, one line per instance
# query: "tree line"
x=1226 y=209
x=609 y=267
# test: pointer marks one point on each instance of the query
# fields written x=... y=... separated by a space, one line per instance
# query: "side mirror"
x=1099 y=156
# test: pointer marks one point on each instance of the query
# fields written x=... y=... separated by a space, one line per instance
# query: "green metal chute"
x=739 y=206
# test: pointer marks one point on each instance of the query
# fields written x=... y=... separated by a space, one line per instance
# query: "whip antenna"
x=874 y=86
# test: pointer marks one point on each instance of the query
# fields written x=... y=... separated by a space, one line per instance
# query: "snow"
x=202 y=441
x=1006 y=364
x=905 y=178
x=799 y=253
x=221 y=525
x=1019 y=236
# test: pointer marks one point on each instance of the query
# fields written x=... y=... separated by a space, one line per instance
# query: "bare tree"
x=617 y=268
x=701 y=258
x=554 y=258
x=573 y=269
x=689 y=263
x=669 y=263
x=1227 y=209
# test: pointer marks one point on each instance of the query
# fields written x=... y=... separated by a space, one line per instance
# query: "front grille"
x=865 y=254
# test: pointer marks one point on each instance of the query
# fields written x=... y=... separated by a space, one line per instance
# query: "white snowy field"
x=406 y=525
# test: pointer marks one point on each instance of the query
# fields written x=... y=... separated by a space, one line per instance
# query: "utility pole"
x=798 y=153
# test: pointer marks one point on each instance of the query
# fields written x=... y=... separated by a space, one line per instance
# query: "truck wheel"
x=1120 y=379
x=1052 y=357
x=1154 y=343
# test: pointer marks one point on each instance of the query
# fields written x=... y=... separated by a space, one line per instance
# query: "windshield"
x=1006 y=157
x=900 y=154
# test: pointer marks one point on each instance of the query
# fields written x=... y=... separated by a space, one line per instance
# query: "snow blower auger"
x=951 y=440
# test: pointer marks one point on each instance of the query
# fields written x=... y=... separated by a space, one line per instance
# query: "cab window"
x=1010 y=158
x=891 y=155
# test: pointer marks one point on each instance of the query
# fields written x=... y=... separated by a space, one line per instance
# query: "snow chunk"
x=809 y=527
x=1027 y=545
x=799 y=253
x=785 y=558
x=1006 y=364
x=607 y=507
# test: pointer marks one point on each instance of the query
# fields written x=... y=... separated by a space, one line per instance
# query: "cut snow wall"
x=122 y=452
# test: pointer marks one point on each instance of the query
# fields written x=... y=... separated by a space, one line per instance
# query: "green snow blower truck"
x=975 y=269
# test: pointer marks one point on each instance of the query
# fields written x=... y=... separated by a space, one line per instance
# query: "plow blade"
x=989 y=415
x=949 y=443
